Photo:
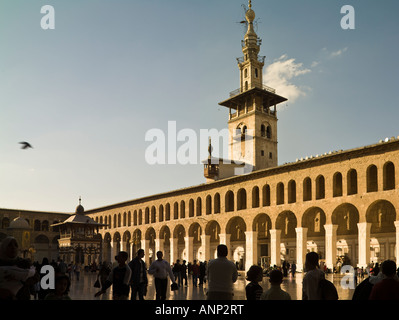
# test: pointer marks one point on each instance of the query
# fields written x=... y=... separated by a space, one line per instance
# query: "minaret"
x=252 y=108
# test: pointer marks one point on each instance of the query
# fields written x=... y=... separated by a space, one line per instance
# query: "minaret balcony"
x=241 y=90
x=211 y=170
x=241 y=60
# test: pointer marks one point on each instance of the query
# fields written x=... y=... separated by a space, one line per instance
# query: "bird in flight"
x=25 y=145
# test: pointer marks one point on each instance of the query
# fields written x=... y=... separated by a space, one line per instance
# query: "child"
x=275 y=292
x=62 y=284
x=253 y=290
x=119 y=278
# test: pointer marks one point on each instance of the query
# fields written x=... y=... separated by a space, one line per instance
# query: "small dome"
x=80 y=209
x=250 y=15
x=19 y=223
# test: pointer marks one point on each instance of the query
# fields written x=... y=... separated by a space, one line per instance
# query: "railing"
x=261 y=59
x=241 y=90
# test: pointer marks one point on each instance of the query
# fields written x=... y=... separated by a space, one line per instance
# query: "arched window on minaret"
x=246 y=85
x=256 y=72
x=262 y=130
x=245 y=73
x=268 y=132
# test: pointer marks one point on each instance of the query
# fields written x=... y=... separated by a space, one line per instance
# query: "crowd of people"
x=20 y=279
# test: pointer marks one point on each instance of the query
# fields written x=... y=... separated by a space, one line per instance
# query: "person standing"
x=160 y=269
x=139 y=280
x=196 y=271
x=388 y=287
x=119 y=278
x=310 y=283
x=183 y=271
x=221 y=274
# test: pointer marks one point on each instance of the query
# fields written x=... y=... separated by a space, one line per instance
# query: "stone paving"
x=84 y=288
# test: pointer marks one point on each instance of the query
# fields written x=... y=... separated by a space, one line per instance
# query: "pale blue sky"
x=85 y=94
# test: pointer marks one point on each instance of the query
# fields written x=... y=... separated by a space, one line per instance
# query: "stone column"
x=397 y=243
x=364 y=244
x=251 y=249
x=301 y=246
x=225 y=239
x=275 y=243
x=206 y=246
x=331 y=245
x=173 y=250
x=159 y=246
x=145 y=245
x=189 y=248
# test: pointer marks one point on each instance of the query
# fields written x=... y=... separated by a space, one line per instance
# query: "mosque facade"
x=342 y=204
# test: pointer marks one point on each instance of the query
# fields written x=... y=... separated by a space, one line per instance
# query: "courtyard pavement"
x=84 y=288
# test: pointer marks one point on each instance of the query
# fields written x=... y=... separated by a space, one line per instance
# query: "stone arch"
x=229 y=201
x=351 y=181
x=164 y=234
x=262 y=225
x=175 y=210
x=389 y=176
x=195 y=231
x=107 y=247
x=320 y=187
x=216 y=203
x=314 y=220
x=198 y=211
x=307 y=189
x=147 y=216
x=182 y=209
x=291 y=191
x=236 y=227
x=213 y=229
x=286 y=222
x=136 y=240
x=280 y=193
x=266 y=195
x=167 y=212
x=241 y=199
x=337 y=184
x=255 y=197
x=381 y=214
x=126 y=241
x=153 y=214
x=346 y=217
x=160 y=214
x=372 y=178
x=117 y=242
x=179 y=233
x=208 y=204
x=191 y=208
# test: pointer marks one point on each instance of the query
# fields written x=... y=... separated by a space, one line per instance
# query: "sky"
x=85 y=93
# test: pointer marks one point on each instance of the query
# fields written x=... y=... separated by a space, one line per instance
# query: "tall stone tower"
x=252 y=108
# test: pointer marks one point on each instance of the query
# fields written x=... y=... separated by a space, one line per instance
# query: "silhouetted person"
x=119 y=278
x=160 y=269
x=138 y=280
x=310 y=284
x=388 y=287
x=253 y=290
x=275 y=292
x=221 y=274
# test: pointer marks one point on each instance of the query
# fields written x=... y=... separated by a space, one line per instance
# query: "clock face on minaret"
x=252 y=108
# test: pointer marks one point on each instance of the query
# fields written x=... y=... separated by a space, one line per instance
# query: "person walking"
x=160 y=269
x=139 y=280
x=119 y=278
x=221 y=274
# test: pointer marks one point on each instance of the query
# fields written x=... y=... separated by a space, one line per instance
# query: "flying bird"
x=26 y=145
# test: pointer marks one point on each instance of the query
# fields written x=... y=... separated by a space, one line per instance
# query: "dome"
x=250 y=15
x=80 y=209
x=19 y=223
